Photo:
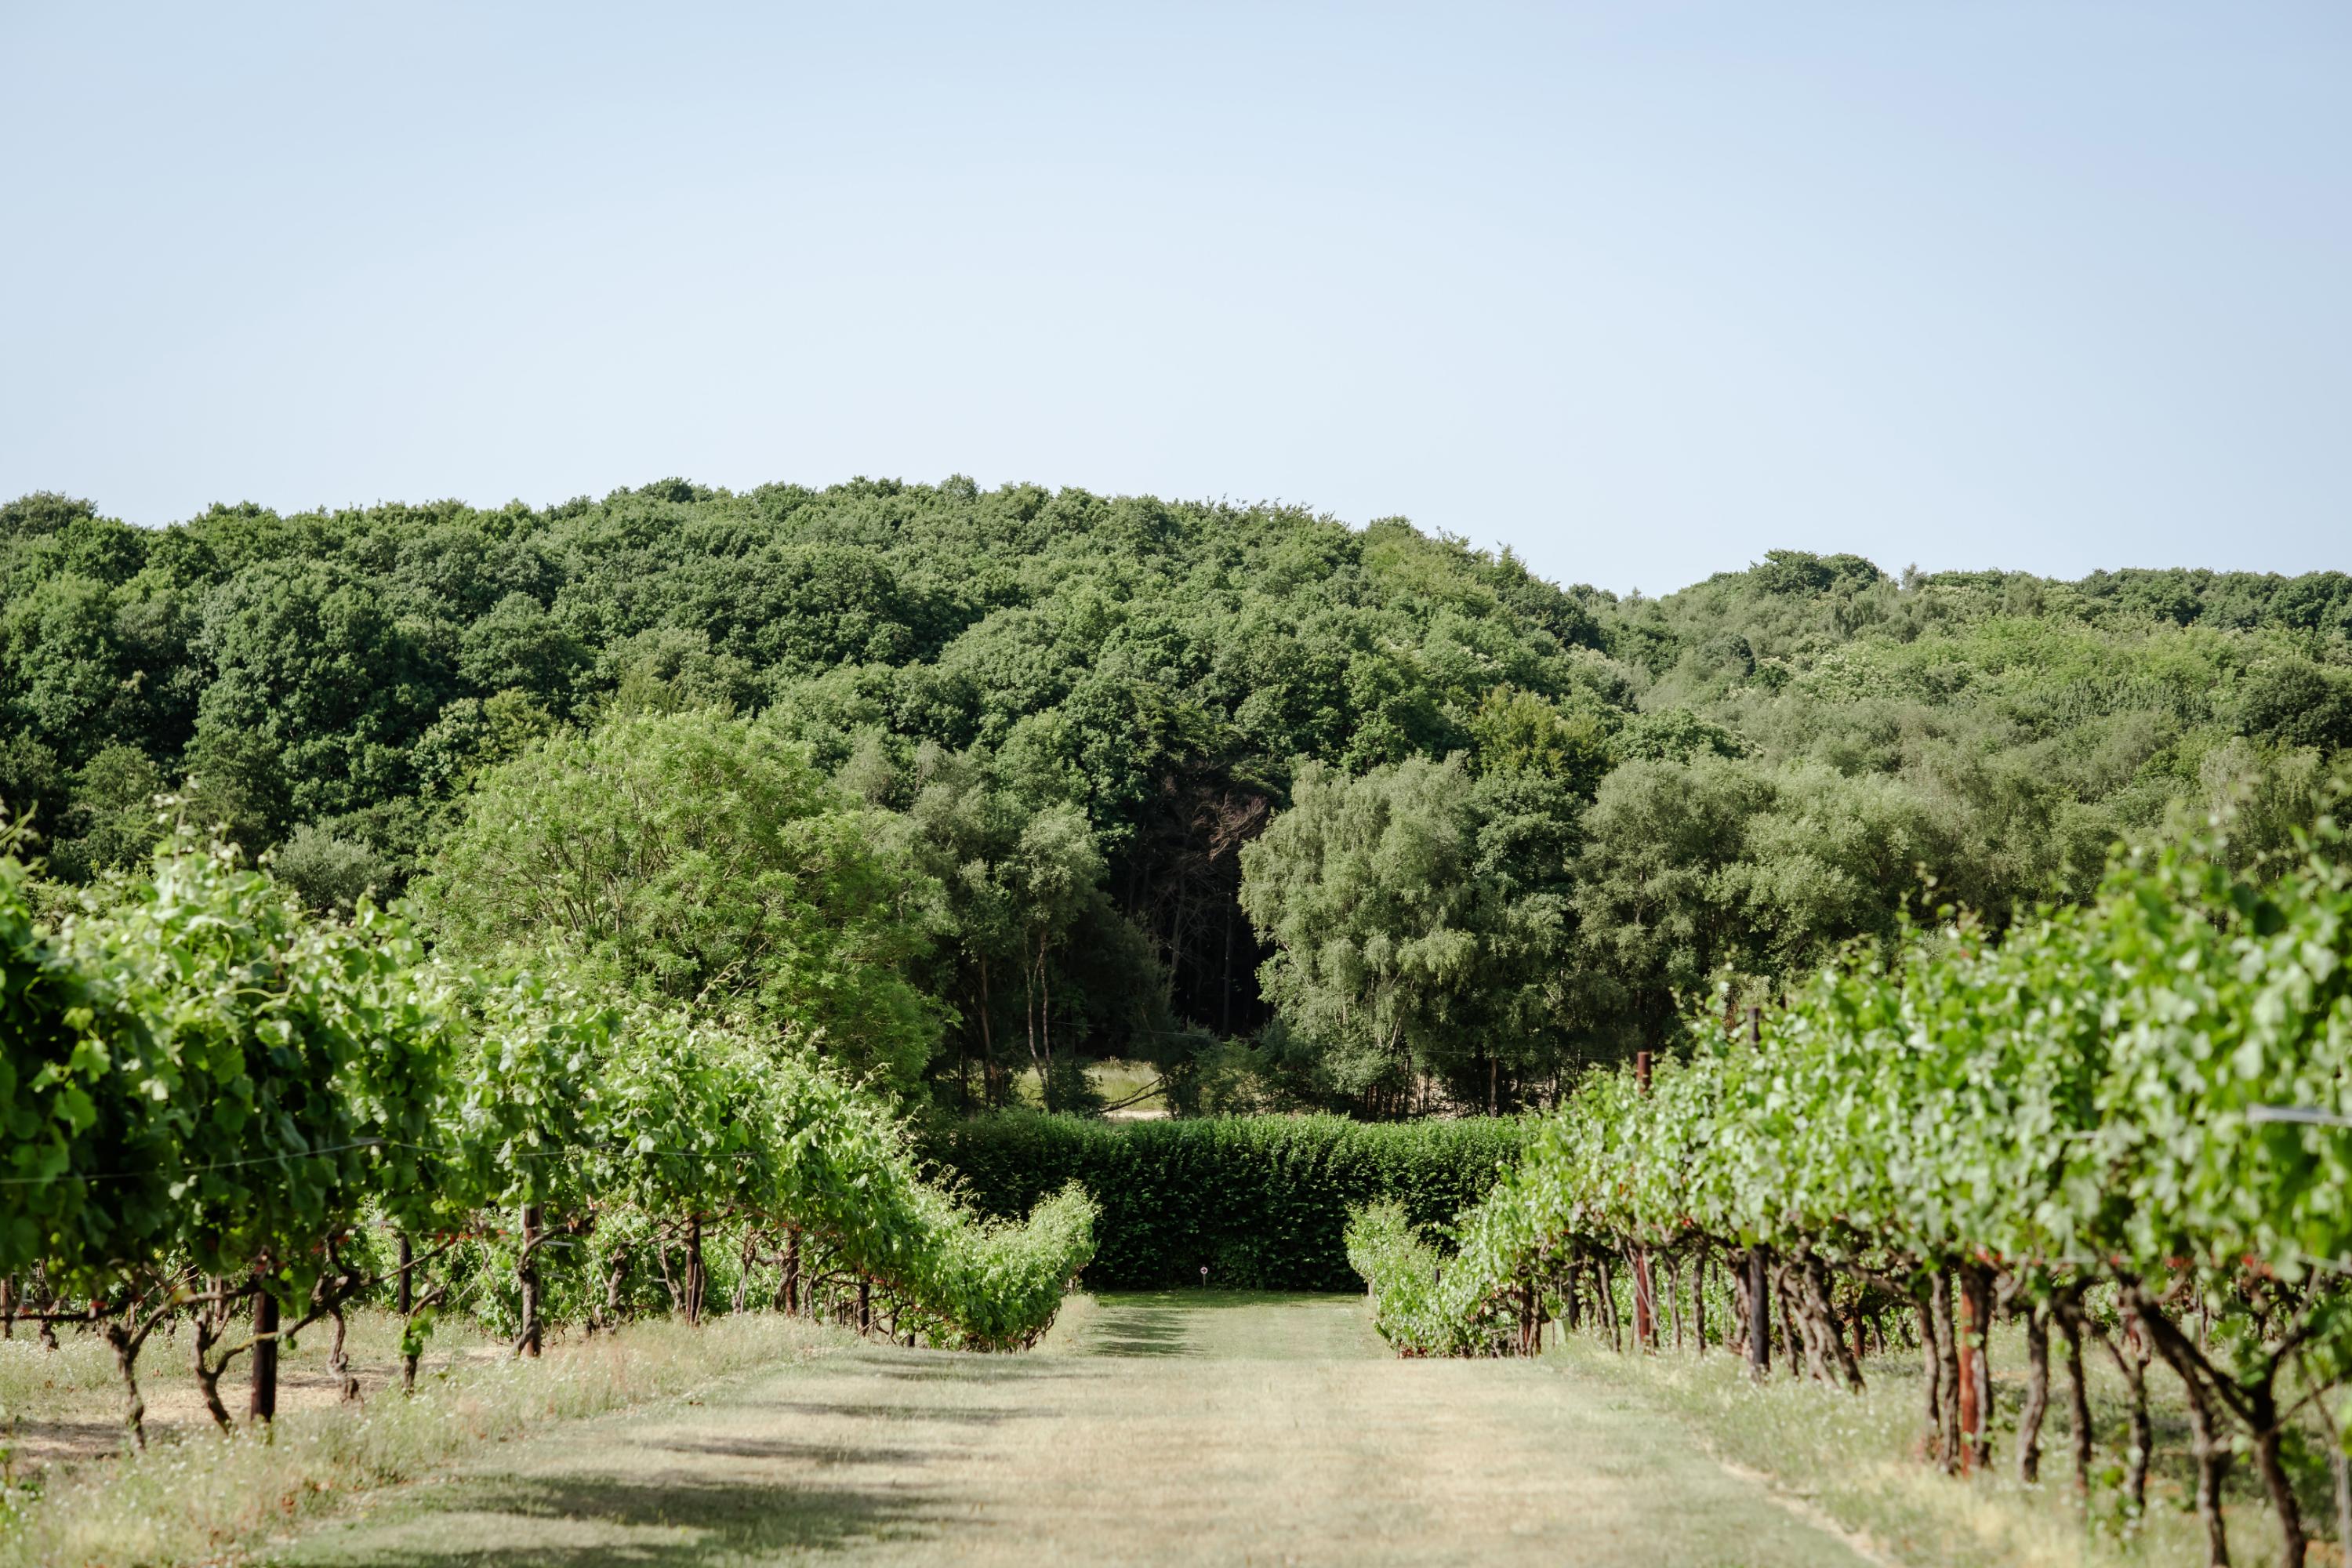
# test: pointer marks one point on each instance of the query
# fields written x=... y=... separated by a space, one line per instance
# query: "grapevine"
x=2115 y=1121
x=214 y=1103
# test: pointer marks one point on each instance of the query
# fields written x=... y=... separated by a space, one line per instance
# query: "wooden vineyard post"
x=1759 y=1268
x=528 y=1344
x=1698 y=1298
x=403 y=1295
x=1759 y=1312
x=1645 y=1299
x=1646 y=1315
x=262 y=1406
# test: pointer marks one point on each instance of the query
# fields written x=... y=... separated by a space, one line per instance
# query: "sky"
x=1640 y=291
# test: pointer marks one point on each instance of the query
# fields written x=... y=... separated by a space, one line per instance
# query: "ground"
x=1185 y=1427
x=66 y=1404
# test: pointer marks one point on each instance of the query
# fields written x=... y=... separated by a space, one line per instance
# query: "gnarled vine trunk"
x=1794 y=1335
x=339 y=1361
x=2208 y=1444
x=208 y=1333
x=1976 y=1400
x=2293 y=1545
x=1608 y=1303
x=2131 y=1358
x=1947 y=1372
x=125 y=1337
x=2068 y=1310
x=1817 y=1286
x=2037 y=1392
x=1699 y=1299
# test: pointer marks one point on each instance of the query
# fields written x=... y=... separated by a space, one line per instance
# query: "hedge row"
x=1262 y=1200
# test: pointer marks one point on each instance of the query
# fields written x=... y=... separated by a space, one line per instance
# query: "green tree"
x=1692 y=870
x=2298 y=703
x=698 y=857
x=113 y=822
x=1038 y=954
x=1516 y=732
x=1409 y=937
x=319 y=693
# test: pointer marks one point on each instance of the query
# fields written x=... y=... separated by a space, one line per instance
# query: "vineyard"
x=222 y=1114
x=2121 y=1124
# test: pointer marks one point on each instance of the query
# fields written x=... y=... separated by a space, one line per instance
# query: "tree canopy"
x=699 y=858
x=1005 y=748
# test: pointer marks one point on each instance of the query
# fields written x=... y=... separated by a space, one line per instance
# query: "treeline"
x=2122 y=1123
x=1310 y=817
x=224 y=1112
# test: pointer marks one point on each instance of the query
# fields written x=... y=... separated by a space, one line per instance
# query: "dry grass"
x=1855 y=1459
x=1071 y=1326
x=67 y=1404
x=197 y=1497
x=1111 y=1078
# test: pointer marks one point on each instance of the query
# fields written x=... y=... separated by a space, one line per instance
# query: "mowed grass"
x=1174 y=1428
x=1218 y=1325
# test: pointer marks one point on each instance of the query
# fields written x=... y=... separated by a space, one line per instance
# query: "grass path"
x=1194 y=1427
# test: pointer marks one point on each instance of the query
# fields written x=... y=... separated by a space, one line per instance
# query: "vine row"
x=217 y=1107
x=2123 y=1121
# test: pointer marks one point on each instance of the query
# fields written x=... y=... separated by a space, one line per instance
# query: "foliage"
x=1689 y=869
x=1414 y=930
x=225 y=1087
x=331 y=875
x=211 y=1097
x=1261 y=1201
x=1071 y=711
x=2133 y=1094
x=1024 y=899
x=1146 y=668
x=701 y=859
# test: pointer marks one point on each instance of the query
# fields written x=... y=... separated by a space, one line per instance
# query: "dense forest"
x=951 y=783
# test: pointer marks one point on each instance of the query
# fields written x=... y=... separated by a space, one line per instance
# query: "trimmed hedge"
x=1262 y=1200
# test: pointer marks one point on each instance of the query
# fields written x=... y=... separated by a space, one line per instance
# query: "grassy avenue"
x=1199 y=1426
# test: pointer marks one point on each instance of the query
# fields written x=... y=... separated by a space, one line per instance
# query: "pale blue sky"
x=1642 y=289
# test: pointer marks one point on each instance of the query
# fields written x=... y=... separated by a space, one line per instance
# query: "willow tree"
x=1417 y=915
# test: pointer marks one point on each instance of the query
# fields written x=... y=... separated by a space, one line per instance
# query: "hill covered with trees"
x=959 y=780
